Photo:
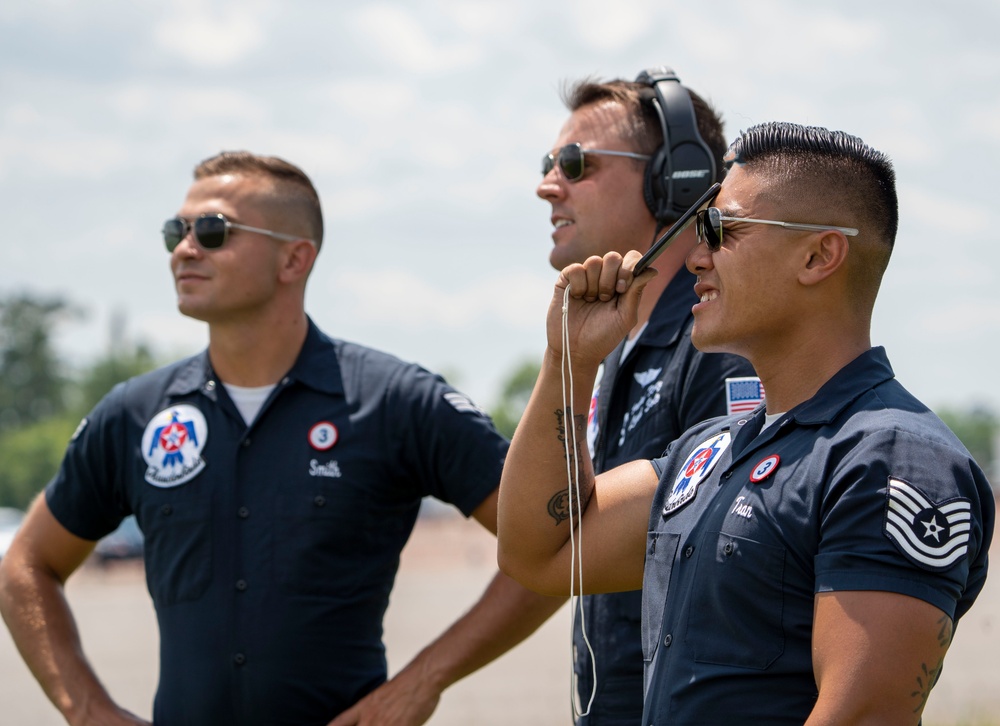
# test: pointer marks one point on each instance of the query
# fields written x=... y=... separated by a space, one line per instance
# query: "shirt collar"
x=317 y=366
x=868 y=370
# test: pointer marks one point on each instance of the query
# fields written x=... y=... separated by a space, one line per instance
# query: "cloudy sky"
x=422 y=124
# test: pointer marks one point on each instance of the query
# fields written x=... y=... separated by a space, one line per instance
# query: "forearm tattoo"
x=561 y=502
x=929 y=676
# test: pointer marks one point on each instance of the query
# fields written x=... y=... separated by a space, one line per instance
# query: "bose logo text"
x=692 y=174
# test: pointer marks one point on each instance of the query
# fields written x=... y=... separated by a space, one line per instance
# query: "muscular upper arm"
x=876 y=656
x=43 y=544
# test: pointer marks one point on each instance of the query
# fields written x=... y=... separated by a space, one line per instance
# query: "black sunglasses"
x=211 y=231
x=572 y=160
x=709 y=227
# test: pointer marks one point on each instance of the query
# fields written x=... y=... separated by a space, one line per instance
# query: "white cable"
x=575 y=538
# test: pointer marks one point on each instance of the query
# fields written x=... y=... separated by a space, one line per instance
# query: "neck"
x=794 y=373
x=257 y=353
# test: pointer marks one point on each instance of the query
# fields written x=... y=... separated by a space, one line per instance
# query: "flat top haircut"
x=643 y=127
x=294 y=201
x=828 y=177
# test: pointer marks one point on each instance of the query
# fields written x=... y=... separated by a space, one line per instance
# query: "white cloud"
x=399 y=38
x=515 y=300
x=210 y=38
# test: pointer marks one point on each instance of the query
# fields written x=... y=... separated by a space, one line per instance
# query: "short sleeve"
x=907 y=514
x=444 y=440
x=82 y=495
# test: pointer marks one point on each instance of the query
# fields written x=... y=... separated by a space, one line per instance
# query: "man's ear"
x=825 y=254
x=298 y=260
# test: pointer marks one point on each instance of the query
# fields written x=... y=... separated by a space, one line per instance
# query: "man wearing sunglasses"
x=802 y=563
x=276 y=478
x=655 y=384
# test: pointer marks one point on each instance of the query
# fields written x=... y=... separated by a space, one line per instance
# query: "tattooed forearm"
x=559 y=506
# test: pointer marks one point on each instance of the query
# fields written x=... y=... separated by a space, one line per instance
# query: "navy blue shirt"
x=271 y=548
x=859 y=488
x=662 y=387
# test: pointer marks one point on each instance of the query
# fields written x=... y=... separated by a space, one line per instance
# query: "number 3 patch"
x=323 y=436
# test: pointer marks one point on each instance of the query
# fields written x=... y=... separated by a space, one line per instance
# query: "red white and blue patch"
x=172 y=445
x=696 y=468
x=323 y=435
x=933 y=535
x=765 y=468
x=743 y=394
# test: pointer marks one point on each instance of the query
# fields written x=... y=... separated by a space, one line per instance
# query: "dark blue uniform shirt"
x=271 y=548
x=859 y=488
x=663 y=387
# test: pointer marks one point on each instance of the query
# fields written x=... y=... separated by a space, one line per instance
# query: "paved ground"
x=447 y=563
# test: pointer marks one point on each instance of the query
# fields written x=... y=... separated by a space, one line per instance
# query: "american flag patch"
x=933 y=535
x=743 y=394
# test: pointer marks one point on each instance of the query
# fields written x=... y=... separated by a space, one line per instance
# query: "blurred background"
x=422 y=124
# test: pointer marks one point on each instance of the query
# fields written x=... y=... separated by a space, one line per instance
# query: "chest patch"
x=933 y=535
x=172 y=444
x=695 y=469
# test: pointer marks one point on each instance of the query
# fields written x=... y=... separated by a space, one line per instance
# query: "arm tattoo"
x=559 y=506
x=560 y=503
x=929 y=676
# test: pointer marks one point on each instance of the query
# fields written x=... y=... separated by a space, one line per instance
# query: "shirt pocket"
x=322 y=541
x=177 y=548
x=661 y=547
x=737 y=606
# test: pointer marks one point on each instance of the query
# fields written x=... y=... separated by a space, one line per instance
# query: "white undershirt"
x=770 y=418
x=249 y=400
x=630 y=342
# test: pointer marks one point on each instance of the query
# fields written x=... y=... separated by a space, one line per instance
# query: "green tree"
x=102 y=376
x=976 y=427
x=32 y=386
x=30 y=456
x=514 y=396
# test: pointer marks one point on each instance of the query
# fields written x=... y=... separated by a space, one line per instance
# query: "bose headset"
x=683 y=168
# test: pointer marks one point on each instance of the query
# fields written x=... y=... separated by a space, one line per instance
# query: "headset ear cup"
x=653 y=188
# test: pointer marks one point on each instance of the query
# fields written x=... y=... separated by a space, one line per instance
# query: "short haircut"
x=643 y=128
x=296 y=193
x=833 y=164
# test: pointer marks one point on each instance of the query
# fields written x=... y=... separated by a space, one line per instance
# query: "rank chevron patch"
x=933 y=535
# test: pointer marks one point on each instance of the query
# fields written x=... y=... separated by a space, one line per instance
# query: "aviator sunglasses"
x=572 y=160
x=709 y=226
x=211 y=231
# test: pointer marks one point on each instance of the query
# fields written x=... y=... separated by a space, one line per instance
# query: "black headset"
x=684 y=167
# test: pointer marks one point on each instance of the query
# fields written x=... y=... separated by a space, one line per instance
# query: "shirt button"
x=246 y=442
x=241 y=585
x=239 y=659
x=242 y=512
x=667 y=640
x=689 y=551
x=320 y=500
x=285 y=380
x=166 y=510
x=210 y=385
x=728 y=549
